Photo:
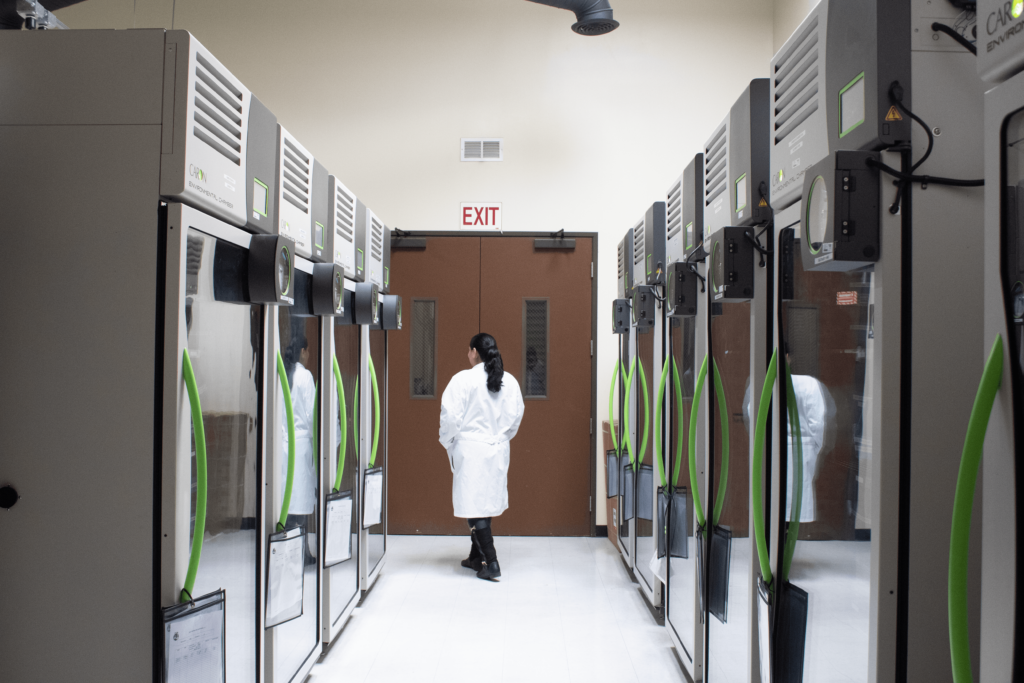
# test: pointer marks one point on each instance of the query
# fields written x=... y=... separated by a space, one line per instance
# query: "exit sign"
x=477 y=216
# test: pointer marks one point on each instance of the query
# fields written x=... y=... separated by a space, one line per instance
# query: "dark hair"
x=293 y=352
x=489 y=354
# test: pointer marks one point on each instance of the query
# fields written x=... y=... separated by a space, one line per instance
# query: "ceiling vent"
x=482 y=149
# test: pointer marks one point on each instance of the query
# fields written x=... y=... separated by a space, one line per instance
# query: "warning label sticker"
x=846 y=298
x=894 y=114
x=762 y=203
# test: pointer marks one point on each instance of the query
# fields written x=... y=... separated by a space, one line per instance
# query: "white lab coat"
x=813 y=410
x=303 y=404
x=810 y=406
x=476 y=427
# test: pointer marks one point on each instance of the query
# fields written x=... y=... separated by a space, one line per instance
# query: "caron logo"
x=200 y=174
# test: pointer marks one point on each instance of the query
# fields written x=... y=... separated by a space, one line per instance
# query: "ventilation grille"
x=296 y=170
x=482 y=149
x=218 y=111
x=715 y=157
x=344 y=213
x=622 y=260
x=674 y=217
x=638 y=246
x=377 y=241
x=796 y=82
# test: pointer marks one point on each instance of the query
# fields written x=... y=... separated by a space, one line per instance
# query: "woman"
x=480 y=413
x=303 y=390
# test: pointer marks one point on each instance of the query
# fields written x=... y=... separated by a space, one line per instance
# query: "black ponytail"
x=489 y=354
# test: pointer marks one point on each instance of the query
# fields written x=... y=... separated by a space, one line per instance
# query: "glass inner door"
x=299 y=342
x=225 y=347
x=626 y=528
x=378 y=351
x=646 y=386
x=728 y=542
x=828 y=345
x=682 y=600
x=1013 y=258
x=344 y=576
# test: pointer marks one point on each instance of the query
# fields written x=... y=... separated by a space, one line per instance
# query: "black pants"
x=479 y=522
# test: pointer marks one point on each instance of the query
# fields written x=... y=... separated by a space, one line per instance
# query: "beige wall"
x=788 y=15
x=595 y=128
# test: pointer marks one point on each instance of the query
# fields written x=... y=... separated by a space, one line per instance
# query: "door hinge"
x=591 y=347
x=590 y=505
x=591 y=270
x=591 y=425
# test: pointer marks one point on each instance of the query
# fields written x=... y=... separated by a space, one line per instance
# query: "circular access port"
x=817 y=214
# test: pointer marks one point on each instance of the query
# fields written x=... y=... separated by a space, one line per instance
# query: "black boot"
x=490 y=569
x=475 y=559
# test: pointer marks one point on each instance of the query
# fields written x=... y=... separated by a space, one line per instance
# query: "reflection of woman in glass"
x=303 y=389
x=811 y=407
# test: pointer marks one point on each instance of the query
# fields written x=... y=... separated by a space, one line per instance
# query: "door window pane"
x=423 y=349
x=535 y=348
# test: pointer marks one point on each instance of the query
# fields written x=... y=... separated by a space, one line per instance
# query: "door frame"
x=407 y=240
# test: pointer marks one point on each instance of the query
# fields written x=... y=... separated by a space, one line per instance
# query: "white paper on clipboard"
x=339 y=531
x=195 y=648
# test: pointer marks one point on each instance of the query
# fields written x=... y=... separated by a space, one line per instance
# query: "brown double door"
x=538 y=305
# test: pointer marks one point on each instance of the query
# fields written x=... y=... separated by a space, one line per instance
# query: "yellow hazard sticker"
x=762 y=203
x=893 y=115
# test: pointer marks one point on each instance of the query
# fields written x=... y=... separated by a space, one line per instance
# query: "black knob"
x=8 y=497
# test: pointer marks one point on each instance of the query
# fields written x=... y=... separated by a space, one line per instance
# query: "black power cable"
x=955 y=35
x=925 y=179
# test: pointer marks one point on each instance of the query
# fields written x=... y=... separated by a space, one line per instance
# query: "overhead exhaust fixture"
x=593 y=17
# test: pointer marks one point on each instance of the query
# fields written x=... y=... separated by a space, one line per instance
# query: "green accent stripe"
x=723 y=475
x=625 y=431
x=290 y=414
x=758 y=469
x=694 y=409
x=647 y=413
x=376 y=413
x=797 y=504
x=679 y=421
x=658 y=455
x=201 y=476
x=970 y=460
x=343 y=418
x=611 y=413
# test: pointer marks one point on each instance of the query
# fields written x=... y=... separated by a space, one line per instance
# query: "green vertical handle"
x=355 y=412
x=694 y=409
x=647 y=415
x=679 y=419
x=657 y=423
x=316 y=428
x=201 y=477
x=723 y=416
x=376 y=412
x=611 y=402
x=758 y=467
x=343 y=413
x=959 y=638
x=625 y=431
x=290 y=413
x=796 y=506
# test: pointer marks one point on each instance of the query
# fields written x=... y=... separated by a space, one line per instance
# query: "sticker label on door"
x=846 y=298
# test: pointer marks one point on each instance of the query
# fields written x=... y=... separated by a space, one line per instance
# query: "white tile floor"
x=564 y=610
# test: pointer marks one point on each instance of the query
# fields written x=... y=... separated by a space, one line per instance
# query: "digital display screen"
x=689 y=235
x=259 y=197
x=851 y=105
x=741 y=192
x=318 y=236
